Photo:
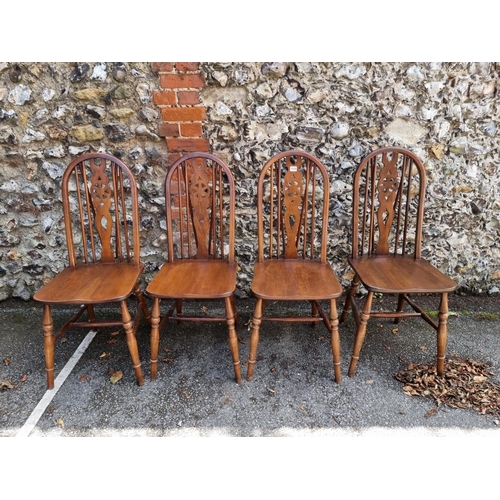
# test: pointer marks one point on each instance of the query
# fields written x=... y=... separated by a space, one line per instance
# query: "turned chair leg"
x=48 y=345
x=442 y=333
x=155 y=337
x=335 y=339
x=350 y=294
x=128 y=326
x=361 y=332
x=178 y=309
x=142 y=303
x=233 y=305
x=314 y=312
x=254 y=337
x=401 y=303
x=233 y=339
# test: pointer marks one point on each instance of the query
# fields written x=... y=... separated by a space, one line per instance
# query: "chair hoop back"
x=292 y=209
x=388 y=203
x=200 y=205
x=101 y=212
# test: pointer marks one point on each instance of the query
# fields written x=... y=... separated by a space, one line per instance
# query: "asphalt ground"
x=292 y=394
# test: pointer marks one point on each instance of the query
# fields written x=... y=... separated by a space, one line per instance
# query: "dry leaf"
x=116 y=377
x=168 y=360
x=112 y=341
x=423 y=348
x=115 y=333
x=60 y=422
x=6 y=361
x=105 y=355
x=465 y=384
x=5 y=384
x=370 y=381
x=431 y=412
x=25 y=377
x=394 y=330
x=83 y=378
x=64 y=340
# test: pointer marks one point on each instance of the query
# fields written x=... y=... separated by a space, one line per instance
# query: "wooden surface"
x=400 y=274
x=91 y=284
x=295 y=279
x=194 y=279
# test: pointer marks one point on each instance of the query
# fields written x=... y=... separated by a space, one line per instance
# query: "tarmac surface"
x=293 y=392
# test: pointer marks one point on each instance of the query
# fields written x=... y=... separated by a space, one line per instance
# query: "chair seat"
x=400 y=274
x=91 y=283
x=292 y=279
x=194 y=279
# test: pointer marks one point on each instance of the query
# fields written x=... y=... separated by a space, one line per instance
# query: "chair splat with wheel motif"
x=292 y=216
x=388 y=212
x=101 y=217
x=200 y=204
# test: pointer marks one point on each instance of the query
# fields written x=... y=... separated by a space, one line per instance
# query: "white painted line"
x=33 y=419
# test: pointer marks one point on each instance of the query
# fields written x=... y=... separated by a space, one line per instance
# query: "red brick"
x=182 y=81
x=188 y=97
x=164 y=97
x=183 y=114
x=162 y=66
x=168 y=130
x=187 y=66
x=191 y=129
x=187 y=145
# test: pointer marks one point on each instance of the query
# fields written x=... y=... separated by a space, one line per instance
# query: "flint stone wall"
x=447 y=113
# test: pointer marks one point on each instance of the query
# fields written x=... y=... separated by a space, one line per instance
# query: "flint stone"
x=86 y=133
x=88 y=94
x=33 y=136
x=117 y=132
x=96 y=111
x=339 y=130
x=144 y=131
x=48 y=94
x=55 y=170
x=19 y=95
x=57 y=152
x=144 y=92
x=7 y=136
x=7 y=115
x=122 y=113
x=79 y=73
x=78 y=150
x=274 y=69
x=99 y=72
x=119 y=72
x=408 y=132
x=312 y=135
x=148 y=115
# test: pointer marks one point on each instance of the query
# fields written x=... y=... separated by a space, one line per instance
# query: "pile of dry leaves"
x=465 y=384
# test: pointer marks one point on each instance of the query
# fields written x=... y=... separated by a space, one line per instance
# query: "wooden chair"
x=101 y=216
x=388 y=210
x=200 y=204
x=292 y=203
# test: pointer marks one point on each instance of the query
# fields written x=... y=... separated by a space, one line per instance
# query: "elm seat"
x=199 y=205
x=387 y=218
x=101 y=218
x=292 y=238
x=400 y=274
x=294 y=279
x=91 y=283
x=194 y=279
